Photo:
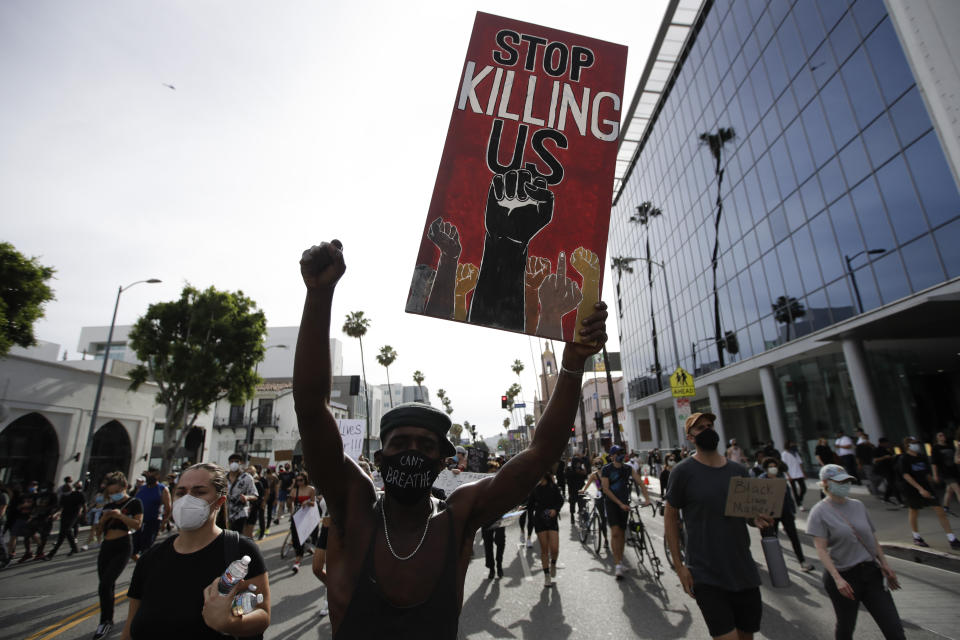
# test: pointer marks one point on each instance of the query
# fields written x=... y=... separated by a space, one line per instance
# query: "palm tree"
x=445 y=400
x=786 y=310
x=386 y=357
x=455 y=431
x=418 y=378
x=517 y=367
x=471 y=429
x=356 y=326
x=715 y=142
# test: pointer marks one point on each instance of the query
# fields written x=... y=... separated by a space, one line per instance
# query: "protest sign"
x=351 y=432
x=752 y=497
x=306 y=519
x=515 y=236
x=448 y=480
x=281 y=455
x=259 y=461
x=476 y=459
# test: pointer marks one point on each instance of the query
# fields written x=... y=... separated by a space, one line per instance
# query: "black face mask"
x=408 y=476
x=707 y=440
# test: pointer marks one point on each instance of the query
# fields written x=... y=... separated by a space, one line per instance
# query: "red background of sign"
x=581 y=214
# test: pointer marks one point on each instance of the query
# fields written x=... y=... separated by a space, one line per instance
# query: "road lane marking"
x=71 y=625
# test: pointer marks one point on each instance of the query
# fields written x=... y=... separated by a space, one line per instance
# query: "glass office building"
x=786 y=227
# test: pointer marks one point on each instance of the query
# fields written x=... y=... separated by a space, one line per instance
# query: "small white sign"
x=351 y=432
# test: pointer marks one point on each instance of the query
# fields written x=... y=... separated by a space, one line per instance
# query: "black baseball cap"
x=418 y=414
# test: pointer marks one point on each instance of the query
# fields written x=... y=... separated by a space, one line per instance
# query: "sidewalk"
x=893 y=530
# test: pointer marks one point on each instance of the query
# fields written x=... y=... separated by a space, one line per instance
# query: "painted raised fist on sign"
x=518 y=206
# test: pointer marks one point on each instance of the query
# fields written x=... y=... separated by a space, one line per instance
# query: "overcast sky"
x=290 y=123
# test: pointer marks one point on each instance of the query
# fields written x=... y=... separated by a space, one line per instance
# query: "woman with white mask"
x=855 y=567
x=173 y=592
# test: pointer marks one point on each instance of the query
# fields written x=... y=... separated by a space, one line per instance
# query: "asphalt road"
x=57 y=599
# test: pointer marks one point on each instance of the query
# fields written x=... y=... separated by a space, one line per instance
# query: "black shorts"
x=543 y=522
x=725 y=610
x=322 y=538
x=914 y=500
x=616 y=517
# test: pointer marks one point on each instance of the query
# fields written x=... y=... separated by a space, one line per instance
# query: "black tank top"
x=370 y=615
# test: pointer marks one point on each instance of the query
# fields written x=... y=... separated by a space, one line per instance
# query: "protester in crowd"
x=846 y=452
x=943 y=459
x=320 y=552
x=155 y=498
x=717 y=569
x=256 y=505
x=46 y=510
x=654 y=462
x=734 y=452
x=665 y=474
x=5 y=499
x=303 y=495
x=824 y=453
x=599 y=500
x=864 y=452
x=574 y=476
x=757 y=470
x=272 y=486
x=240 y=493
x=410 y=578
x=526 y=520
x=173 y=592
x=616 y=478
x=71 y=508
x=18 y=521
x=795 y=475
x=559 y=473
x=494 y=536
x=774 y=468
x=547 y=503
x=121 y=515
x=769 y=451
x=918 y=492
x=283 y=495
x=94 y=512
x=853 y=560
x=884 y=467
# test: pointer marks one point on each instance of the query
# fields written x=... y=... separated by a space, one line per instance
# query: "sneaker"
x=546 y=578
x=553 y=570
x=85 y=547
x=806 y=567
x=296 y=567
x=802 y=509
x=955 y=544
x=24 y=558
x=40 y=556
x=920 y=542
x=618 y=572
x=325 y=609
x=529 y=544
x=103 y=629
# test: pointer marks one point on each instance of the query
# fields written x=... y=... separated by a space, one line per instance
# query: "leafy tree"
x=786 y=310
x=386 y=358
x=506 y=423
x=529 y=420
x=355 y=325
x=198 y=349
x=455 y=431
x=471 y=429
x=715 y=142
x=445 y=400
x=418 y=378
x=23 y=293
x=502 y=444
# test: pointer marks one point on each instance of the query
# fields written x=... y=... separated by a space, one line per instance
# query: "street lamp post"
x=853 y=277
x=666 y=287
x=103 y=372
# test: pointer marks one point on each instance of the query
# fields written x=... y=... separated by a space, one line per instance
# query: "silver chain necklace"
x=386 y=532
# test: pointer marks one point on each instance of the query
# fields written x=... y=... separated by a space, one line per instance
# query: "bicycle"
x=639 y=538
x=680 y=537
x=287 y=546
x=589 y=523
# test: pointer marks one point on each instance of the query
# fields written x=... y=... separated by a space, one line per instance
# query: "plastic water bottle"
x=236 y=572
x=246 y=602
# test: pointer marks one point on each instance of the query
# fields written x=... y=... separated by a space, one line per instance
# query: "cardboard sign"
x=516 y=234
x=263 y=462
x=283 y=454
x=448 y=480
x=752 y=497
x=351 y=432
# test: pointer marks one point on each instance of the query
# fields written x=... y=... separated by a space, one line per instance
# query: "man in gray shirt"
x=719 y=570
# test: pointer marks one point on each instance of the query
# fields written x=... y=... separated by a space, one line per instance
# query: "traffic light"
x=503 y=402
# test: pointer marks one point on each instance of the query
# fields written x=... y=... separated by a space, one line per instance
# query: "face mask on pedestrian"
x=116 y=497
x=772 y=471
x=839 y=489
x=190 y=512
x=619 y=458
x=707 y=440
x=915 y=447
x=408 y=476
x=234 y=466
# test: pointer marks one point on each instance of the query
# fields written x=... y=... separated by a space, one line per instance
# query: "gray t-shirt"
x=845 y=550
x=717 y=546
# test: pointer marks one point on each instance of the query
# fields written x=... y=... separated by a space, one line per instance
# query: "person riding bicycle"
x=615 y=478
x=593 y=480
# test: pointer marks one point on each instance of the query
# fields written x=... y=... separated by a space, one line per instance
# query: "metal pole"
x=613 y=402
x=853 y=279
x=96 y=402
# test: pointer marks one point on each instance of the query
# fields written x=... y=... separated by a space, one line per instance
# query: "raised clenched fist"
x=537 y=269
x=467 y=275
x=518 y=206
x=586 y=263
x=321 y=266
x=446 y=237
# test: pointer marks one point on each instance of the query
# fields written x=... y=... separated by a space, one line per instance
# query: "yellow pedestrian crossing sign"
x=681 y=384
